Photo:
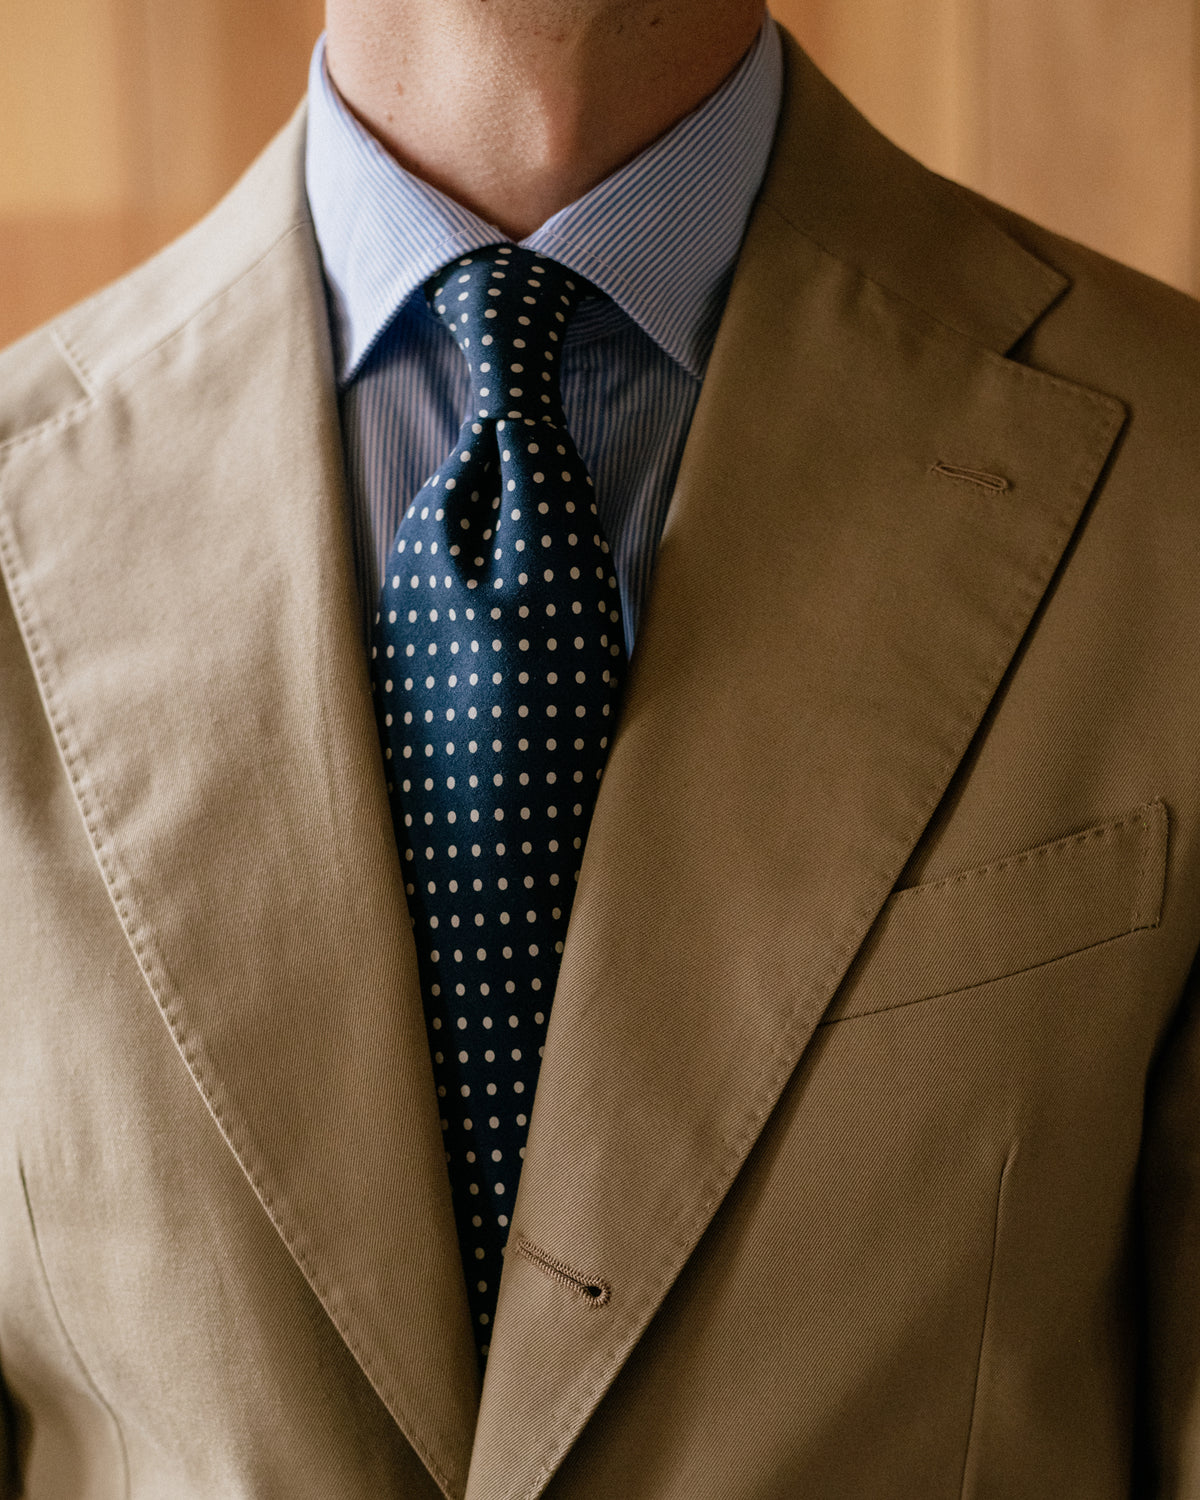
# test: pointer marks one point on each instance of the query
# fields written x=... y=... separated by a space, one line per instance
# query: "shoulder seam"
x=59 y=340
x=926 y=312
x=93 y=389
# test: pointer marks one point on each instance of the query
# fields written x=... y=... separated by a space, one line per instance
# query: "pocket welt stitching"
x=964 y=989
x=1043 y=852
x=1011 y=915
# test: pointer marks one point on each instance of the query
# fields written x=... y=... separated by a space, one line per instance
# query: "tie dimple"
x=497 y=661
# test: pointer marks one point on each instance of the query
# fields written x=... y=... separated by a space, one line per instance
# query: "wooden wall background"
x=121 y=121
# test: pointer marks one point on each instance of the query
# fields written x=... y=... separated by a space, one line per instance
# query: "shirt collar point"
x=383 y=232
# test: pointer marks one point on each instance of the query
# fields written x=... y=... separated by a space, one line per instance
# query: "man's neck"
x=517 y=107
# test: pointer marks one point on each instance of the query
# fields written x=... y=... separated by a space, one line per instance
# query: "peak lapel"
x=189 y=605
x=830 y=620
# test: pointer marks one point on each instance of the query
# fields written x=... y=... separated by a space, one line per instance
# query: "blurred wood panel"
x=61 y=112
x=909 y=65
x=1105 y=148
x=51 y=258
x=1082 y=114
x=121 y=121
x=215 y=81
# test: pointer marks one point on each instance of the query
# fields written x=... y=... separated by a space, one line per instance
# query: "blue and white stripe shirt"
x=658 y=239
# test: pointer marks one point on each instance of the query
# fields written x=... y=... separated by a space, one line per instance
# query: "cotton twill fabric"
x=945 y=1245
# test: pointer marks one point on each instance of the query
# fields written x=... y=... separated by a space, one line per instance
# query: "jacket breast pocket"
x=1010 y=915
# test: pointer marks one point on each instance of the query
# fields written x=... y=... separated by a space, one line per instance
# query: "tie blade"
x=498 y=660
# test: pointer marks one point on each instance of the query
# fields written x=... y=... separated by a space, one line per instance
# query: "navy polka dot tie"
x=497 y=659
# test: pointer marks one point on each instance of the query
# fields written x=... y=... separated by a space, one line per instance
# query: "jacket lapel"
x=831 y=616
x=195 y=633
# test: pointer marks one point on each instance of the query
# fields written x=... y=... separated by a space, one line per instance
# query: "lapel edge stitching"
x=123 y=895
x=1098 y=437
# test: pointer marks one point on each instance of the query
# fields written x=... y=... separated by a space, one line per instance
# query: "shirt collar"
x=659 y=236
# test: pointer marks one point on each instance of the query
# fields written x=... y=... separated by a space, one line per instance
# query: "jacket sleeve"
x=1170 y=1260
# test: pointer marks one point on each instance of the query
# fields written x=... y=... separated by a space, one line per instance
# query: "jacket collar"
x=805 y=683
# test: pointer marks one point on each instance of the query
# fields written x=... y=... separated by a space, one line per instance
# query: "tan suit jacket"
x=865 y=1157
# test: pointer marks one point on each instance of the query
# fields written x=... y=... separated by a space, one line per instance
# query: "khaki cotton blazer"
x=865 y=1157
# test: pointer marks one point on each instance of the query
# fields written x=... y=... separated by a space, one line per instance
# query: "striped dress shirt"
x=658 y=239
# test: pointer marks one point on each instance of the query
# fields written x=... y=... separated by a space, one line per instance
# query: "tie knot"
x=508 y=310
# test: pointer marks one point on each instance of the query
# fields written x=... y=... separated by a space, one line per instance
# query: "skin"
x=517 y=107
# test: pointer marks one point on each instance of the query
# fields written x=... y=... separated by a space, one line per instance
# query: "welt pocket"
x=1015 y=913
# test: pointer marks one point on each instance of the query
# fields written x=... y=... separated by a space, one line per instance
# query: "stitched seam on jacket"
x=978 y=984
x=1148 y=913
x=779 y=1064
x=122 y=894
x=72 y=1347
x=81 y=364
x=1064 y=846
x=116 y=380
x=1110 y=405
x=987 y=1312
x=58 y=338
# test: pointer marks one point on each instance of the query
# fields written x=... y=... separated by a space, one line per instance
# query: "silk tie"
x=497 y=660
